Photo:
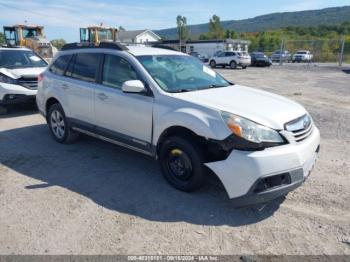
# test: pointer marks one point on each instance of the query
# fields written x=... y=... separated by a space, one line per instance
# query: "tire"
x=244 y=67
x=181 y=164
x=212 y=64
x=59 y=127
x=233 y=65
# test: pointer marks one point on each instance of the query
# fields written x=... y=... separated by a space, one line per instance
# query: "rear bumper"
x=281 y=168
x=262 y=62
x=244 y=63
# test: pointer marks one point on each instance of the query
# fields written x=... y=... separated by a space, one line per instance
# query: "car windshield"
x=20 y=59
x=180 y=73
x=258 y=54
x=301 y=53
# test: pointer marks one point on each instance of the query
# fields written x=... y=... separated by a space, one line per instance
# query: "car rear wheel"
x=233 y=65
x=212 y=64
x=244 y=67
x=181 y=164
x=59 y=127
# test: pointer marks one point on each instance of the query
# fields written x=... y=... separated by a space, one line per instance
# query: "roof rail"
x=108 y=45
x=164 y=47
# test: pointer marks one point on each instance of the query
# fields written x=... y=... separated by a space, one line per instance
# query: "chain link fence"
x=332 y=52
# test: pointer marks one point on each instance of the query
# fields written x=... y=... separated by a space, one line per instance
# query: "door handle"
x=65 y=86
x=102 y=96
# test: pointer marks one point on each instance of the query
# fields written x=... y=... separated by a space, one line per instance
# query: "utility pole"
x=281 y=52
x=341 y=56
x=180 y=38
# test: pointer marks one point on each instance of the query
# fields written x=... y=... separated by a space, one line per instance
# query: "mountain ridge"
x=273 y=21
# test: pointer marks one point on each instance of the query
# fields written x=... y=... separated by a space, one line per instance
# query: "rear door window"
x=86 y=66
x=60 y=65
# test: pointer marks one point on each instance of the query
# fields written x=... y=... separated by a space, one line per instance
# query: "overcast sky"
x=62 y=18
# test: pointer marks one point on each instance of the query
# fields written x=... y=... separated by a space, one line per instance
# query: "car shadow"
x=119 y=179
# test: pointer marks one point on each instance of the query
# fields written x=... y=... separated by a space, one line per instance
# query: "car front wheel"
x=212 y=64
x=181 y=164
x=59 y=126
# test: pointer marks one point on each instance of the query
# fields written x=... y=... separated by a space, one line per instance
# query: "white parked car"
x=231 y=59
x=19 y=70
x=302 y=56
x=170 y=106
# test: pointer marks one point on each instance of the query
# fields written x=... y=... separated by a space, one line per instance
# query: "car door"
x=220 y=59
x=125 y=117
x=81 y=76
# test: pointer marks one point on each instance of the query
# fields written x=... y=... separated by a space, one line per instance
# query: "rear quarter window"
x=60 y=65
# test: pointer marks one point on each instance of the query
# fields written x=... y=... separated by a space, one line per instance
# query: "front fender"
x=207 y=124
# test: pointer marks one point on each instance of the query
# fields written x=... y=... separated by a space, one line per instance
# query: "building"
x=206 y=48
x=138 y=36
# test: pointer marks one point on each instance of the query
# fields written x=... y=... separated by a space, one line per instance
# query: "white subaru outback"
x=170 y=106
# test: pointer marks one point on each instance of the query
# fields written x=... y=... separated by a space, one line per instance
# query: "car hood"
x=22 y=72
x=259 y=106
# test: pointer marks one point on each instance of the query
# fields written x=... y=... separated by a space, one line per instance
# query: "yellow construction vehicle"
x=31 y=37
x=97 y=34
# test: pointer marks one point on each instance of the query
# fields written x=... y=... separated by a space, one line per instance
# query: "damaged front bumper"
x=260 y=176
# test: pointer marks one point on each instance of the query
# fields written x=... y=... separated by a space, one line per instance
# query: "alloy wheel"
x=57 y=124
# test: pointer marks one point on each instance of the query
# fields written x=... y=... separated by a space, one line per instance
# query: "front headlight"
x=7 y=80
x=250 y=130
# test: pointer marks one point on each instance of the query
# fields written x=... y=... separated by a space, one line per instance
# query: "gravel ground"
x=92 y=197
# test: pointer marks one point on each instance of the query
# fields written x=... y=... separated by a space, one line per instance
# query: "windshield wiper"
x=212 y=86
x=182 y=90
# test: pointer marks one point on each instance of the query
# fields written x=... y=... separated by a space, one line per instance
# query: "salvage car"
x=170 y=106
x=279 y=55
x=231 y=59
x=302 y=56
x=260 y=59
x=19 y=70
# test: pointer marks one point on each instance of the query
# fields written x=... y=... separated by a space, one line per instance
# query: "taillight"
x=40 y=77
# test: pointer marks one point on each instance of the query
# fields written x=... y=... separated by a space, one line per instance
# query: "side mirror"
x=133 y=86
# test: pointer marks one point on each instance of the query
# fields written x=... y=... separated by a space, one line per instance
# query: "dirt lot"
x=92 y=197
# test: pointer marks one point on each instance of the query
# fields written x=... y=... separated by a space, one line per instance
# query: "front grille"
x=303 y=134
x=300 y=128
x=30 y=83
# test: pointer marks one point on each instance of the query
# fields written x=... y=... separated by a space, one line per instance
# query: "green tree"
x=204 y=36
x=2 y=39
x=182 y=30
x=58 y=43
x=231 y=34
x=216 y=30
